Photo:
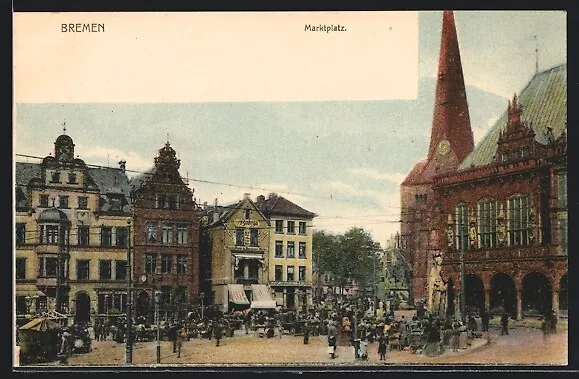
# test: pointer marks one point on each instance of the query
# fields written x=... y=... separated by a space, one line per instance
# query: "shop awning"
x=258 y=257
x=263 y=304
x=237 y=294
x=31 y=293
x=262 y=297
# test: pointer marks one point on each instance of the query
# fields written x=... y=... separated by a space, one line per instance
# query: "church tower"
x=451 y=141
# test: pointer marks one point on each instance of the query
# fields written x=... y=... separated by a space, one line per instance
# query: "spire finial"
x=167 y=137
x=64 y=127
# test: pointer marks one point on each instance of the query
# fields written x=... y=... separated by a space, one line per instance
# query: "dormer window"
x=525 y=153
x=173 y=202
x=115 y=204
x=71 y=178
x=161 y=201
x=55 y=177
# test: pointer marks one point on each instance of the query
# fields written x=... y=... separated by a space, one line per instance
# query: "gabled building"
x=290 y=251
x=238 y=237
x=451 y=141
x=71 y=235
x=505 y=209
x=166 y=222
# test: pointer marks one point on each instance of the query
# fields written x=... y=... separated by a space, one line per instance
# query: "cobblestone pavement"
x=524 y=346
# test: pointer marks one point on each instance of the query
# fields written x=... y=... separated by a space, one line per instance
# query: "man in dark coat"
x=218 y=332
x=306 y=333
x=173 y=330
x=485 y=319
x=505 y=324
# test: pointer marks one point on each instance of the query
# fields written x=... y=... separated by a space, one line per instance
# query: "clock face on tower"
x=443 y=147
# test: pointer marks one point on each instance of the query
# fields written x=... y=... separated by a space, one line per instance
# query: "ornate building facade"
x=71 y=235
x=504 y=211
x=166 y=238
x=237 y=242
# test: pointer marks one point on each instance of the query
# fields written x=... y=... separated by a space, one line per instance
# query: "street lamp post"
x=462 y=287
x=202 y=295
x=129 y=336
x=157 y=316
x=375 y=285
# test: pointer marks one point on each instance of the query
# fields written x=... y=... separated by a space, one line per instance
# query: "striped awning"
x=237 y=294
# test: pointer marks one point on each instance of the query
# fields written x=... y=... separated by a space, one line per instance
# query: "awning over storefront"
x=257 y=257
x=237 y=294
x=263 y=304
x=262 y=297
x=32 y=293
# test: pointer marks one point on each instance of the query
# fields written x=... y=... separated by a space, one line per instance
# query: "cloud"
x=110 y=157
x=371 y=173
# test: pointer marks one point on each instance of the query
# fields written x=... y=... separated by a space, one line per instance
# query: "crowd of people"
x=344 y=324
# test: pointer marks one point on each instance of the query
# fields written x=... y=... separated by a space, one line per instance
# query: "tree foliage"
x=348 y=257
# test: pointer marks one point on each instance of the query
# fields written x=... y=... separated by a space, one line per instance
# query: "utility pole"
x=129 y=336
x=157 y=316
x=462 y=284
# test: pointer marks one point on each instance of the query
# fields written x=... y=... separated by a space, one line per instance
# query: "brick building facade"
x=166 y=237
x=505 y=209
x=450 y=142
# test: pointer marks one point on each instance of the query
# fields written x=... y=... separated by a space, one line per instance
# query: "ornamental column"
x=519 y=304
x=555 y=301
x=487 y=299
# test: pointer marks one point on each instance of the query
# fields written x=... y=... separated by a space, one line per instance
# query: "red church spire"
x=451 y=121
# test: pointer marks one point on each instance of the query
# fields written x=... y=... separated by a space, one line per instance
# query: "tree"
x=348 y=257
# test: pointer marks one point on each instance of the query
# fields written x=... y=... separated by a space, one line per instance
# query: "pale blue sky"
x=341 y=160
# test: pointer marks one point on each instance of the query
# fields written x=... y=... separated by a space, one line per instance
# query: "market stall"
x=39 y=340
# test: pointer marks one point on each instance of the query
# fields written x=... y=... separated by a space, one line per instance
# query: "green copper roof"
x=544 y=102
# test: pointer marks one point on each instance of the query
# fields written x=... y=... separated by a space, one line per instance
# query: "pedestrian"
x=173 y=331
x=363 y=351
x=181 y=335
x=455 y=336
x=346 y=329
x=545 y=328
x=332 y=336
x=65 y=343
x=505 y=324
x=382 y=346
x=554 y=320
x=485 y=319
x=218 y=332
x=306 y=333
x=247 y=322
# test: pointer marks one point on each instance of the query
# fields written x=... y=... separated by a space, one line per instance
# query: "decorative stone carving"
x=450 y=232
x=501 y=227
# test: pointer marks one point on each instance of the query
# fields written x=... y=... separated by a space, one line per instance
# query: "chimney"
x=260 y=199
x=215 y=212
x=272 y=195
x=123 y=165
x=246 y=195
